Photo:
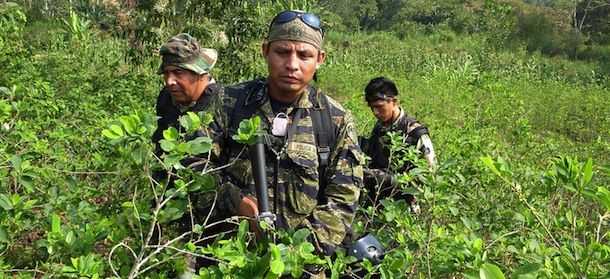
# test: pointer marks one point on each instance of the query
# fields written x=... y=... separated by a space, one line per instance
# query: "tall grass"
x=66 y=194
x=458 y=84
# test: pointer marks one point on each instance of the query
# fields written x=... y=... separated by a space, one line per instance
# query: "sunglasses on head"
x=310 y=19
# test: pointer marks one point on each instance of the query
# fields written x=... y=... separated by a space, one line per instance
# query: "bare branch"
x=212 y=236
x=23 y=270
x=207 y=218
x=173 y=257
x=133 y=253
x=599 y=238
x=84 y=172
x=141 y=260
x=180 y=252
x=500 y=237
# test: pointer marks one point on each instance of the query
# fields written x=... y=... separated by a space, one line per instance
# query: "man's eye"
x=306 y=55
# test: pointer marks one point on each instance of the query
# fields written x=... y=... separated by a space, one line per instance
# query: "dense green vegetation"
x=519 y=117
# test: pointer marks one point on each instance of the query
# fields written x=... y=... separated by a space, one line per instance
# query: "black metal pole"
x=259 y=174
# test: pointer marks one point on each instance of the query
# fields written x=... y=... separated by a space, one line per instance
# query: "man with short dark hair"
x=381 y=95
x=312 y=155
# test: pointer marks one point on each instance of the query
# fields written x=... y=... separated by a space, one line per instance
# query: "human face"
x=384 y=110
x=185 y=86
x=291 y=67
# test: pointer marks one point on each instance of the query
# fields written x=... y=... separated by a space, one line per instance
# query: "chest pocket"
x=302 y=183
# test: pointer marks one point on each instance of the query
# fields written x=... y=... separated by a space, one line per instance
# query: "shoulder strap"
x=323 y=127
x=244 y=106
x=414 y=135
x=418 y=132
x=242 y=109
x=325 y=134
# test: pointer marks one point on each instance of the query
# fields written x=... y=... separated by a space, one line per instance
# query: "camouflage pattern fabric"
x=168 y=112
x=295 y=30
x=298 y=183
x=378 y=178
x=183 y=51
x=378 y=147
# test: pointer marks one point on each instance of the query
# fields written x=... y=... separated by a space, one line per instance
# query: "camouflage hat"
x=295 y=30
x=183 y=51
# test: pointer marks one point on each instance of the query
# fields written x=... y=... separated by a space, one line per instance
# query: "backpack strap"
x=325 y=131
x=325 y=134
x=418 y=132
x=414 y=135
x=246 y=104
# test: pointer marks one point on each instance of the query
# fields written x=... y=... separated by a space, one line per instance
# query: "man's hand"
x=380 y=177
x=248 y=207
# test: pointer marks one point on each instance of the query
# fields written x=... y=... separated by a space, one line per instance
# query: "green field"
x=522 y=138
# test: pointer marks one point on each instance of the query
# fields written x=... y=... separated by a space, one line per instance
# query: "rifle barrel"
x=257 y=159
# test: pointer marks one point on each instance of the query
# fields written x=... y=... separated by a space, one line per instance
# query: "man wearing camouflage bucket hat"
x=188 y=86
x=314 y=164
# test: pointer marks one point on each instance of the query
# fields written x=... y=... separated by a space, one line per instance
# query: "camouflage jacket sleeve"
x=418 y=136
x=424 y=144
x=332 y=221
x=228 y=195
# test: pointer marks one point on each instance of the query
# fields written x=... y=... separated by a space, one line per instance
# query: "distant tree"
x=429 y=12
x=388 y=12
x=592 y=17
x=589 y=17
x=355 y=14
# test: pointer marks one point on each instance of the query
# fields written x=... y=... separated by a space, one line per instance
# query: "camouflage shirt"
x=414 y=134
x=292 y=167
x=168 y=112
x=378 y=178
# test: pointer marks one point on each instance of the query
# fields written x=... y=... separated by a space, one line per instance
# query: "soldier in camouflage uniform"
x=303 y=193
x=189 y=87
x=381 y=96
x=188 y=84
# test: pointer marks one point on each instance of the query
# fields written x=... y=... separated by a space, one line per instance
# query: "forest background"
x=515 y=93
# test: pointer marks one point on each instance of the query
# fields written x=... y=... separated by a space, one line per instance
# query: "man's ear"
x=265 y=48
x=321 y=58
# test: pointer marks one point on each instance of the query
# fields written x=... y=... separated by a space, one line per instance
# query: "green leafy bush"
x=509 y=199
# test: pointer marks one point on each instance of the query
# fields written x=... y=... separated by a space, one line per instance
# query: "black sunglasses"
x=310 y=19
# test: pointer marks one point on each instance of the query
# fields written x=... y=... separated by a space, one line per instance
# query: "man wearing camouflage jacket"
x=188 y=87
x=301 y=194
x=188 y=84
x=381 y=95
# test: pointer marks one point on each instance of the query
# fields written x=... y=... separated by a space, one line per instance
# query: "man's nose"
x=170 y=80
x=376 y=112
x=292 y=63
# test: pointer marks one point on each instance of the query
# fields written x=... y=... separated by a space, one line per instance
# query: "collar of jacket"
x=395 y=124
x=401 y=115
